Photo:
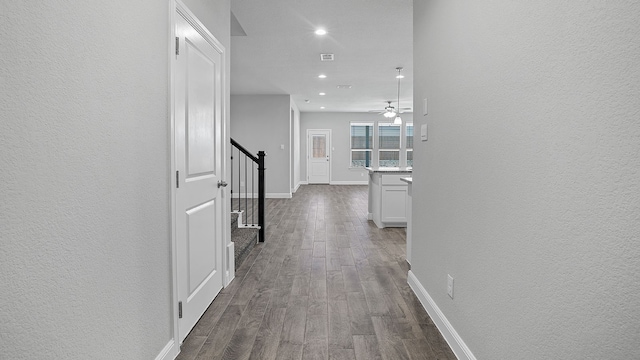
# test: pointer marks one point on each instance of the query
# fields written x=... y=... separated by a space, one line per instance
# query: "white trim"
x=247 y=195
x=172 y=133
x=169 y=352
x=278 y=195
x=231 y=263
x=459 y=348
x=349 y=183
x=266 y=195
x=183 y=10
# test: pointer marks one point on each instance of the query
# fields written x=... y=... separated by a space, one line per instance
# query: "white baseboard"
x=459 y=348
x=278 y=195
x=267 y=195
x=169 y=352
x=297 y=187
x=349 y=183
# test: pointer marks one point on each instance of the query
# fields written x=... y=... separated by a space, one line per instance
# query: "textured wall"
x=261 y=122
x=528 y=189
x=340 y=130
x=85 y=267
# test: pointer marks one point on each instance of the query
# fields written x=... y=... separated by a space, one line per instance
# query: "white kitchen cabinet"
x=388 y=197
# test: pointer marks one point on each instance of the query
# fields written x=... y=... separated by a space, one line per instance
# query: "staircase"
x=244 y=238
x=247 y=182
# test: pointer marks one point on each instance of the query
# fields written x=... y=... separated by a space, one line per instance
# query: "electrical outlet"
x=450 y=286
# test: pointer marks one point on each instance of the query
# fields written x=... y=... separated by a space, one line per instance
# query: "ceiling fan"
x=389 y=111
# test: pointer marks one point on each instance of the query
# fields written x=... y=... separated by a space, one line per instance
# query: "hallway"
x=326 y=284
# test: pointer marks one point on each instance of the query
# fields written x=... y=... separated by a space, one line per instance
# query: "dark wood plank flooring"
x=327 y=284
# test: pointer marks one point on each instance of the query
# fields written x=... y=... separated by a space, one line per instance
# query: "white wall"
x=262 y=122
x=339 y=123
x=85 y=266
x=527 y=191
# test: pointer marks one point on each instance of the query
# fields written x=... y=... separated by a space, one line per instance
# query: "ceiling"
x=280 y=53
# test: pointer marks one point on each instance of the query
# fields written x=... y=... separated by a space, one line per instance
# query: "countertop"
x=389 y=170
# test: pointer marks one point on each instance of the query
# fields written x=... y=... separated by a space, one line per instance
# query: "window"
x=361 y=144
x=409 y=143
x=319 y=146
x=389 y=144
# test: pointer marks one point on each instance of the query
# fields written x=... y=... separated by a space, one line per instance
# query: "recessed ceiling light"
x=321 y=32
x=321 y=107
x=322 y=94
x=322 y=76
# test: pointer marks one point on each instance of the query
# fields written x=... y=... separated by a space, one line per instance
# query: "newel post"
x=261 y=195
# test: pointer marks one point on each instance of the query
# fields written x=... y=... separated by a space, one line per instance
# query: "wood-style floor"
x=326 y=284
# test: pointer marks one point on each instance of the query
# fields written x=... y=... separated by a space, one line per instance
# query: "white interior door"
x=198 y=150
x=319 y=169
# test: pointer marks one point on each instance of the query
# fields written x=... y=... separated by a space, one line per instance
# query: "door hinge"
x=177 y=45
x=179 y=309
x=178 y=179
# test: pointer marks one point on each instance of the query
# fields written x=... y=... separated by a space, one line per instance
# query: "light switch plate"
x=423 y=132
x=425 y=108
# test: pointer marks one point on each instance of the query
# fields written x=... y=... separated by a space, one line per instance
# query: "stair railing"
x=245 y=168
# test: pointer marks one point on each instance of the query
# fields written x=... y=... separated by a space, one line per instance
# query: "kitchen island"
x=388 y=196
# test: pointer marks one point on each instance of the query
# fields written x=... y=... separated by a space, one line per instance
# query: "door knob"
x=222 y=184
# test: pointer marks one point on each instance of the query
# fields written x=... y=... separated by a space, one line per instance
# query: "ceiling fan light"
x=397 y=120
x=389 y=114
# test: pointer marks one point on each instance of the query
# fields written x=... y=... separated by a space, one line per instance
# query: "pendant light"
x=398 y=119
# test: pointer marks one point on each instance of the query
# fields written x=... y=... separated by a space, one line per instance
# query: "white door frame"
x=329 y=151
x=178 y=8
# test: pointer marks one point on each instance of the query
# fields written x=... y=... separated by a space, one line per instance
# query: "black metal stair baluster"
x=238 y=196
x=253 y=196
x=231 y=182
x=245 y=192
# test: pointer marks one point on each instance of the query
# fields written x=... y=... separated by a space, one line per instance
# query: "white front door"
x=319 y=169
x=198 y=150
